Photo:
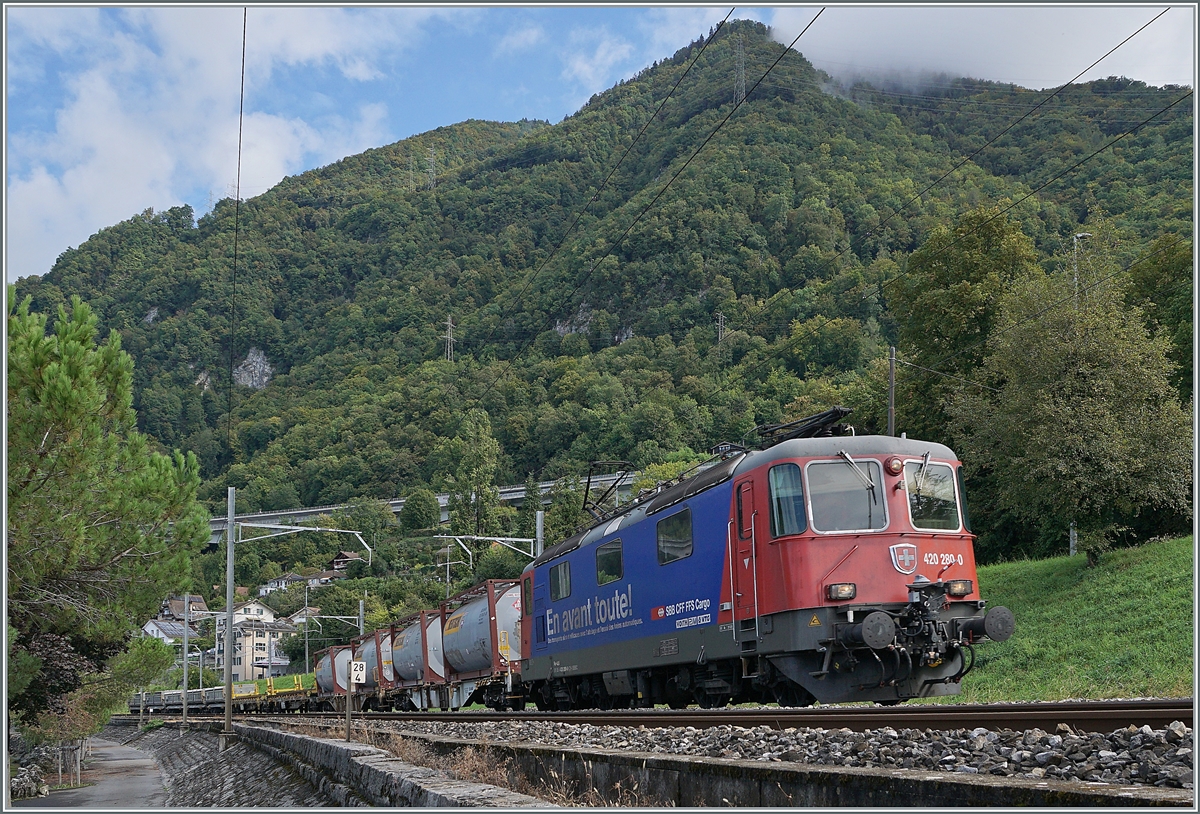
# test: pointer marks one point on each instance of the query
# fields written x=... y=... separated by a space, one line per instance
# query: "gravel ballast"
x=1159 y=757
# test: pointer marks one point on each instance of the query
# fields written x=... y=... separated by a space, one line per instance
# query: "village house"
x=343 y=558
x=256 y=638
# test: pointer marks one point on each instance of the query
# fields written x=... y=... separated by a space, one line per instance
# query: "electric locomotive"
x=824 y=567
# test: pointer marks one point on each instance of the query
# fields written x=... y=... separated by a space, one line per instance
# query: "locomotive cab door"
x=744 y=564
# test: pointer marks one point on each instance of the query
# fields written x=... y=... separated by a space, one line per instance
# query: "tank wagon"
x=465 y=652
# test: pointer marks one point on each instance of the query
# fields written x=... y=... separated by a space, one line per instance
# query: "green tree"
x=474 y=503
x=945 y=306
x=100 y=528
x=1161 y=285
x=1080 y=421
x=420 y=511
x=526 y=520
x=498 y=562
x=86 y=709
x=566 y=512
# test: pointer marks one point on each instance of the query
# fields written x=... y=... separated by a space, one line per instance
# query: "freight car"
x=463 y=653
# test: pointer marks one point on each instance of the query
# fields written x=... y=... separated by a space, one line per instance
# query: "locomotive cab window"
x=560 y=581
x=675 y=537
x=527 y=596
x=931 y=500
x=962 y=496
x=846 y=495
x=787 y=500
x=609 y=567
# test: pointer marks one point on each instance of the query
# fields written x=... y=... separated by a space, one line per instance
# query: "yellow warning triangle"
x=815 y=621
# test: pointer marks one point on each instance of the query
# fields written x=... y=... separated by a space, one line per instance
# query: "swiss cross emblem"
x=904 y=557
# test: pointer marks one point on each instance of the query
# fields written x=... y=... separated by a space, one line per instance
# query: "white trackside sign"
x=358 y=672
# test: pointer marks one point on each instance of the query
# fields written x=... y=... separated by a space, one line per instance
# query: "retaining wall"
x=343 y=773
x=627 y=778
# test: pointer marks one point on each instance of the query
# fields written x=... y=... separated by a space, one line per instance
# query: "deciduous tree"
x=1081 y=421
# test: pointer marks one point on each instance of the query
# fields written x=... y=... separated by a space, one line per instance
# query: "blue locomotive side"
x=630 y=594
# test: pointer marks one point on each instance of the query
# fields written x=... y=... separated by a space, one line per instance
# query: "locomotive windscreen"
x=839 y=497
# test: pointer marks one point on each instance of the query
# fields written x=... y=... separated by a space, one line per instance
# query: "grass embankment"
x=1120 y=630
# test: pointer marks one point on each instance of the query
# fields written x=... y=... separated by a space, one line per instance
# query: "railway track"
x=1084 y=716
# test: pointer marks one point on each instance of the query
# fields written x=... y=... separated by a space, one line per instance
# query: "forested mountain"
x=791 y=227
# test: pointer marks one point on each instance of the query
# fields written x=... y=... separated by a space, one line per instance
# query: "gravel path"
x=1160 y=757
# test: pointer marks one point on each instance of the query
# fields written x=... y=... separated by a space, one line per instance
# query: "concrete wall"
x=641 y=779
x=365 y=775
x=355 y=774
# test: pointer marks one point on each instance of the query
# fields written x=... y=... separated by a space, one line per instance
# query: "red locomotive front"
x=856 y=553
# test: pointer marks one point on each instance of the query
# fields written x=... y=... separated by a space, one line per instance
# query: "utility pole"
x=540 y=534
x=892 y=390
x=226 y=737
x=1072 y=537
x=412 y=172
x=720 y=327
x=739 y=88
x=1076 y=275
x=449 y=337
x=432 y=181
x=187 y=602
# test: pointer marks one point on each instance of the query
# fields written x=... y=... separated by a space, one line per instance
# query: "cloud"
x=520 y=39
x=592 y=56
x=669 y=29
x=1034 y=46
x=147 y=114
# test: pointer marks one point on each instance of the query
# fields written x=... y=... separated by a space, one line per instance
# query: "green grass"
x=1122 y=629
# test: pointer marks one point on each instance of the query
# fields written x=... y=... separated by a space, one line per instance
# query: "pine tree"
x=100 y=528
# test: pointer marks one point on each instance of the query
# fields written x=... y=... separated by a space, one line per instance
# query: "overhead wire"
x=617 y=166
x=1044 y=101
x=778 y=296
x=637 y=218
x=796 y=339
x=237 y=211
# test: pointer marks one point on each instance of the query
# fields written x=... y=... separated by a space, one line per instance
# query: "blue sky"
x=113 y=110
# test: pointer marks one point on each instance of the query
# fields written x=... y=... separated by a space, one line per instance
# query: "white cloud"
x=669 y=29
x=1034 y=46
x=150 y=110
x=520 y=39
x=592 y=56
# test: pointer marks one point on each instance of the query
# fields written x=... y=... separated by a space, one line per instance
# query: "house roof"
x=349 y=555
x=172 y=630
x=175 y=604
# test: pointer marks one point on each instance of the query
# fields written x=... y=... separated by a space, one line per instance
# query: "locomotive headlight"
x=841 y=590
x=894 y=465
x=959 y=587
